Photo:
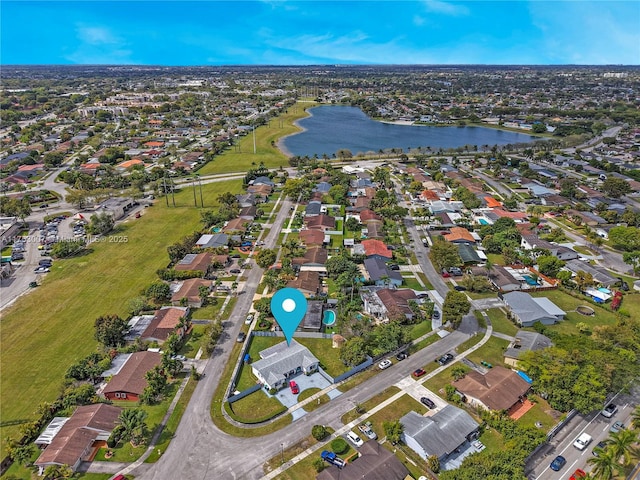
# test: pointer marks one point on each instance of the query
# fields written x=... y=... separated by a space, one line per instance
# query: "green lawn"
x=329 y=357
x=255 y=408
x=501 y=323
x=491 y=352
x=246 y=378
x=412 y=283
x=542 y=413
x=420 y=329
x=45 y=331
x=568 y=303
x=369 y=404
x=241 y=160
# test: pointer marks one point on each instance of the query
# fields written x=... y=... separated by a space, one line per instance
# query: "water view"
x=331 y=128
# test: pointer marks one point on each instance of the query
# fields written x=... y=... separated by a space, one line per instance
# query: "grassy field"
x=329 y=357
x=491 y=352
x=242 y=159
x=45 y=331
x=420 y=329
x=256 y=407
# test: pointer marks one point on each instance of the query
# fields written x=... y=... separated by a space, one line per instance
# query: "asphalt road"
x=595 y=425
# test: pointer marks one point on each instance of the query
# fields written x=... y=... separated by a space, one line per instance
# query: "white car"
x=582 y=441
x=386 y=363
x=355 y=439
x=249 y=319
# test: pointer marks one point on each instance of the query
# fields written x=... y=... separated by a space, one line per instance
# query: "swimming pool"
x=329 y=317
x=482 y=221
x=530 y=280
x=604 y=290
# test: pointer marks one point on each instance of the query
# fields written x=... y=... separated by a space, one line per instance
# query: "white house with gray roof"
x=440 y=434
x=281 y=362
x=527 y=310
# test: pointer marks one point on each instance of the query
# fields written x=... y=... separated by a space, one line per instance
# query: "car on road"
x=249 y=319
x=428 y=402
x=294 y=387
x=418 y=373
x=401 y=356
x=582 y=441
x=386 y=363
x=598 y=448
x=579 y=473
x=235 y=270
x=609 y=411
x=241 y=337
x=558 y=463
x=616 y=427
x=42 y=269
x=355 y=439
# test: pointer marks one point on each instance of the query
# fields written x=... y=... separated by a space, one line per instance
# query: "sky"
x=156 y=32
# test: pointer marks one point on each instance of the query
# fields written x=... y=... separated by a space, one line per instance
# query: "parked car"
x=241 y=337
x=249 y=319
x=479 y=446
x=386 y=363
x=460 y=288
x=445 y=274
x=558 y=463
x=42 y=270
x=446 y=358
x=394 y=267
x=401 y=356
x=355 y=439
x=181 y=358
x=599 y=447
x=367 y=430
x=455 y=271
x=616 y=427
x=428 y=402
x=609 y=411
x=331 y=457
x=579 y=473
x=45 y=262
x=17 y=256
x=294 y=387
x=418 y=373
x=235 y=270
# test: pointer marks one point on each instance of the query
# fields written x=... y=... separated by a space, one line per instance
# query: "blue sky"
x=316 y=32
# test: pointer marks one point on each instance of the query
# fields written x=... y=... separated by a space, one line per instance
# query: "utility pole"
x=166 y=194
x=254 y=139
x=195 y=202
x=200 y=184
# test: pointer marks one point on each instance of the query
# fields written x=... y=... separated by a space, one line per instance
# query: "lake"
x=331 y=128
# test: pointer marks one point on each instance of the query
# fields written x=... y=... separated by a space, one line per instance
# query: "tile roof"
x=498 y=389
x=190 y=289
x=131 y=378
x=311 y=237
x=375 y=463
x=376 y=247
x=195 y=262
x=459 y=234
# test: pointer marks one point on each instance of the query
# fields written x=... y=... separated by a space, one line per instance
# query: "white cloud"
x=96 y=36
x=98 y=45
x=445 y=8
x=418 y=20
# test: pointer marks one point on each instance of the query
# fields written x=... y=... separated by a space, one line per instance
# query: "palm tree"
x=604 y=465
x=635 y=418
x=132 y=422
x=620 y=444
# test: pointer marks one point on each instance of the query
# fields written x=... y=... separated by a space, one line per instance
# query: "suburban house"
x=196 y=262
x=461 y=235
x=312 y=321
x=380 y=273
x=307 y=282
x=385 y=303
x=500 y=277
x=376 y=248
x=498 y=389
x=248 y=213
x=80 y=436
x=374 y=463
x=525 y=342
x=279 y=363
x=440 y=434
x=311 y=237
x=246 y=200
x=165 y=322
x=215 y=240
x=313 y=260
x=527 y=310
x=313 y=208
x=190 y=289
x=468 y=254
x=320 y=222
x=530 y=241
x=599 y=274
x=236 y=225
x=130 y=382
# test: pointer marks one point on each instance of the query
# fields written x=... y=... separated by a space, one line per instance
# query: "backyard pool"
x=482 y=221
x=530 y=280
x=329 y=317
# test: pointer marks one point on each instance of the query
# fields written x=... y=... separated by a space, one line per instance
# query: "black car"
x=446 y=358
x=598 y=448
x=394 y=267
x=459 y=288
x=428 y=402
x=401 y=356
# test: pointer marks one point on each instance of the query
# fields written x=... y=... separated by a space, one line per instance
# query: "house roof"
x=213 y=240
x=195 y=261
x=367 y=215
x=236 y=225
x=78 y=433
x=492 y=202
x=313 y=316
x=316 y=254
x=441 y=433
x=376 y=247
x=164 y=323
x=190 y=289
x=397 y=300
x=313 y=208
x=306 y=281
x=320 y=221
x=311 y=237
x=377 y=269
x=375 y=463
x=375 y=230
x=281 y=358
x=131 y=378
x=599 y=274
x=468 y=254
x=527 y=341
x=498 y=389
x=529 y=309
x=459 y=234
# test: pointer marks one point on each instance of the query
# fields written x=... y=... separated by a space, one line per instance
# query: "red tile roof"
x=376 y=247
x=459 y=233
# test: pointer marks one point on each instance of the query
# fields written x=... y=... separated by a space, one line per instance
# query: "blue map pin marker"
x=289 y=308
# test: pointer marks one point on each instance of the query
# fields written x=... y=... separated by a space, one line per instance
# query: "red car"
x=294 y=387
x=418 y=373
x=579 y=473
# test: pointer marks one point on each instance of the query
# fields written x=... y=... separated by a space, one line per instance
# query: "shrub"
x=319 y=432
x=318 y=464
x=339 y=445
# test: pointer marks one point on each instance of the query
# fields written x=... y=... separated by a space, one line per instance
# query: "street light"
x=282 y=452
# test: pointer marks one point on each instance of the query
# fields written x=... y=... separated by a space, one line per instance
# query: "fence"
x=358 y=368
x=244 y=393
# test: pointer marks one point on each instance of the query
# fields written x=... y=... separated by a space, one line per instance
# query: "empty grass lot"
x=329 y=357
x=500 y=322
x=51 y=327
x=232 y=160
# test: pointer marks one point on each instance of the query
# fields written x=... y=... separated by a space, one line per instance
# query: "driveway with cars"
x=304 y=382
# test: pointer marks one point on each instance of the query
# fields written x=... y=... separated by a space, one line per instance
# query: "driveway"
x=305 y=382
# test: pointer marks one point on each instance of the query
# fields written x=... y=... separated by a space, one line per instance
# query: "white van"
x=582 y=441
